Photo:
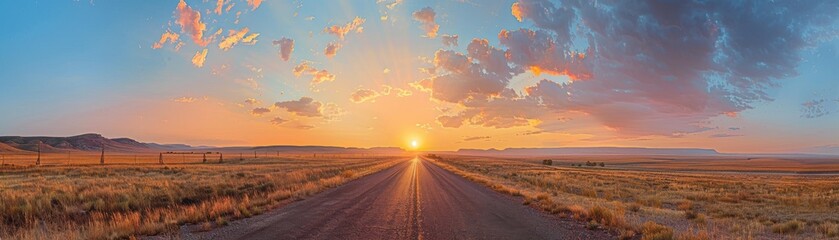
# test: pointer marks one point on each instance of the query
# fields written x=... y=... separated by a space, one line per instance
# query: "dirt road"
x=413 y=200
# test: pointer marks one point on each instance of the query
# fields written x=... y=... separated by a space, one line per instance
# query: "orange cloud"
x=190 y=22
x=426 y=17
x=305 y=106
x=332 y=49
x=232 y=39
x=342 y=31
x=199 y=58
x=517 y=11
x=219 y=6
x=250 y=39
x=259 y=111
x=362 y=95
x=167 y=36
x=254 y=4
x=318 y=76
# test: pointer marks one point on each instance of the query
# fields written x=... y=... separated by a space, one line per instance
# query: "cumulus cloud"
x=638 y=68
x=426 y=17
x=503 y=111
x=260 y=110
x=331 y=49
x=233 y=37
x=318 y=76
x=362 y=95
x=341 y=31
x=305 y=106
x=190 y=22
x=198 y=59
x=645 y=76
x=449 y=40
x=286 y=47
x=168 y=36
x=480 y=74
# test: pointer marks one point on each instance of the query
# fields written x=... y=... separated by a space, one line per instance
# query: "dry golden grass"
x=123 y=200
x=694 y=205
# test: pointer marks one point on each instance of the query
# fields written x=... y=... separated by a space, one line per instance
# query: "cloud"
x=254 y=4
x=476 y=138
x=459 y=77
x=331 y=49
x=539 y=52
x=318 y=76
x=190 y=22
x=198 y=59
x=185 y=99
x=278 y=121
x=250 y=39
x=167 y=36
x=259 y=111
x=233 y=37
x=642 y=75
x=252 y=101
x=724 y=135
x=503 y=111
x=305 y=106
x=219 y=6
x=286 y=47
x=341 y=31
x=814 y=108
x=426 y=17
x=449 y=40
x=362 y=95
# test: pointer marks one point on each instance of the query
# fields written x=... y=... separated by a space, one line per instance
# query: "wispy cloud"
x=318 y=76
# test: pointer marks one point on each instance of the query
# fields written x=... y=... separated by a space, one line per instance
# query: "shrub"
x=548 y=162
x=828 y=229
x=792 y=226
x=655 y=231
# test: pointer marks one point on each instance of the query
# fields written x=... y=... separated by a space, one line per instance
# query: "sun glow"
x=414 y=144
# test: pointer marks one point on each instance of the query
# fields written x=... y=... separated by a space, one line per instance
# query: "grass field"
x=663 y=204
x=122 y=199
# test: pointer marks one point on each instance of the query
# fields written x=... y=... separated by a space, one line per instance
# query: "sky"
x=736 y=76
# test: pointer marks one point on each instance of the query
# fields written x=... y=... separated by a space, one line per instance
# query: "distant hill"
x=84 y=142
x=588 y=151
x=94 y=142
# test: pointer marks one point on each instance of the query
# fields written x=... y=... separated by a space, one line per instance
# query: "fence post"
x=102 y=157
x=161 y=158
x=220 y=157
x=205 y=157
x=38 y=161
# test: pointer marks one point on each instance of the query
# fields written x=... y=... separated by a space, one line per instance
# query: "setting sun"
x=414 y=144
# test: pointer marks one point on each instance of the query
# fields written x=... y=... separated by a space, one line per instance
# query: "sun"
x=414 y=144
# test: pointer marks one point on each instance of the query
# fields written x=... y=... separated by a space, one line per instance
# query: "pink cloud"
x=190 y=22
x=362 y=95
x=167 y=36
x=331 y=49
x=305 y=106
x=318 y=76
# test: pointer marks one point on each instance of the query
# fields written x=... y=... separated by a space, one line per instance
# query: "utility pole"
x=220 y=157
x=205 y=157
x=161 y=158
x=102 y=157
x=38 y=161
